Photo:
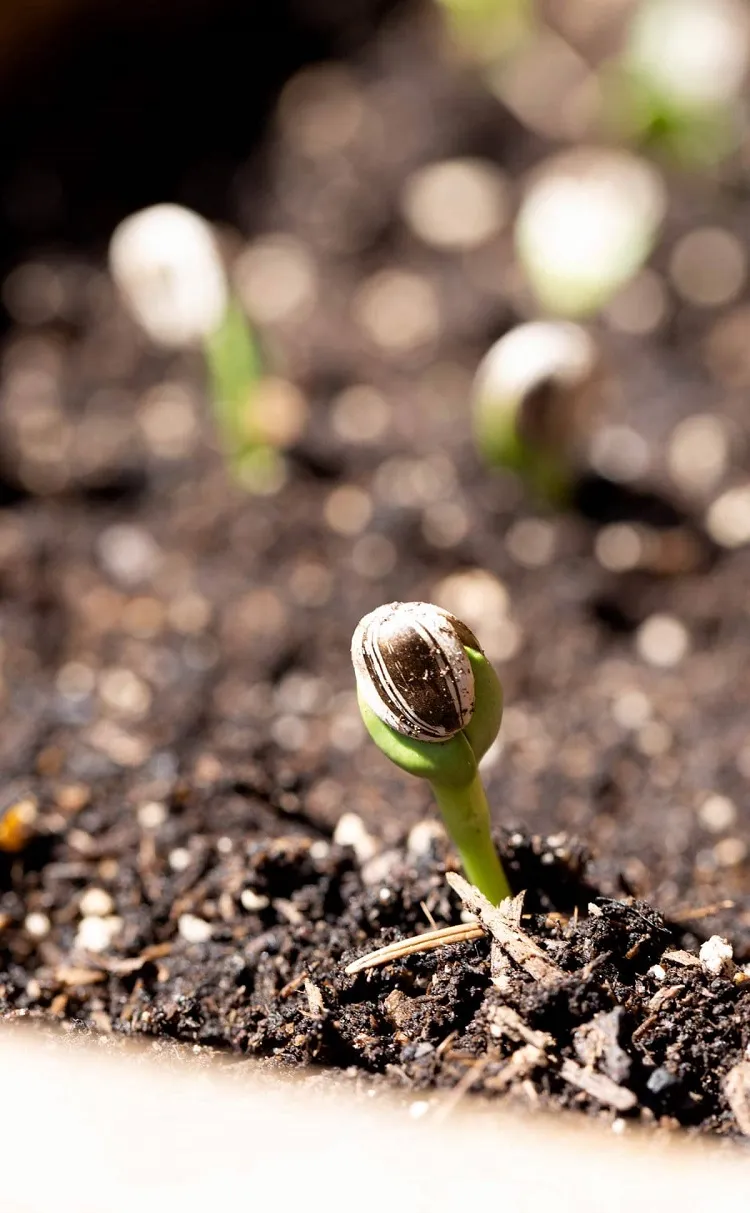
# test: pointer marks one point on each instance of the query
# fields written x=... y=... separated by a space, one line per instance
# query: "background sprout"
x=536 y=397
x=433 y=704
x=487 y=30
x=678 y=81
x=167 y=265
x=587 y=224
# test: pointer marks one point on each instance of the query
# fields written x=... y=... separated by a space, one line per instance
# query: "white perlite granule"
x=716 y=956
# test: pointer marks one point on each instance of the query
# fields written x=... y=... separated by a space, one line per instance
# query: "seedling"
x=433 y=704
x=677 y=84
x=587 y=223
x=536 y=397
x=487 y=30
x=168 y=268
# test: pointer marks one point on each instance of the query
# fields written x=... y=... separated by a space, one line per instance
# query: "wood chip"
x=662 y=996
x=289 y=911
x=519 y=1066
x=507 y=1022
x=598 y=1086
x=501 y=968
x=502 y=924
x=688 y=959
x=70 y=976
x=597 y=1043
x=314 y=999
x=737 y=1091
x=133 y=964
x=293 y=985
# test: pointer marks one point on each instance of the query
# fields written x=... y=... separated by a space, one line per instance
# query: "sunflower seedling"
x=487 y=30
x=677 y=84
x=537 y=395
x=167 y=266
x=585 y=227
x=433 y=704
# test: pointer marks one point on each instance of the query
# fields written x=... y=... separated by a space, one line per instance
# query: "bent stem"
x=467 y=818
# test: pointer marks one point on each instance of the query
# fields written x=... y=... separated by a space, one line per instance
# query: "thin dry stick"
x=691 y=915
x=502 y=923
x=461 y=933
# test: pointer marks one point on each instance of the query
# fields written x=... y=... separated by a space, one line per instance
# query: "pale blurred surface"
x=87 y=1132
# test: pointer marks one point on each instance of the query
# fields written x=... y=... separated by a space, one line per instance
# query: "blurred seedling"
x=676 y=86
x=587 y=223
x=537 y=396
x=487 y=30
x=433 y=704
x=167 y=265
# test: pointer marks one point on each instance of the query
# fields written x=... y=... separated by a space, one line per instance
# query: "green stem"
x=467 y=818
x=234 y=369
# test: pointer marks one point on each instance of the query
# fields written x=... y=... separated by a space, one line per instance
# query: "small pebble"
x=380 y=867
x=474 y=595
x=289 y=732
x=124 y=693
x=422 y=839
x=456 y=204
x=179 y=859
x=445 y=524
x=662 y=641
x=128 y=554
x=360 y=414
x=618 y=547
x=96 y=903
x=351 y=832
x=75 y=680
x=654 y=738
x=374 y=556
x=717 y=813
x=348 y=509
x=167 y=417
x=193 y=929
x=397 y=310
x=632 y=709
x=531 y=542
x=321 y=112
x=716 y=956
x=152 y=815
x=658 y=972
x=37 y=925
x=728 y=518
x=96 y=934
x=640 y=307
x=253 y=902
x=730 y=852
x=619 y=453
x=276 y=279
x=708 y=266
x=698 y=452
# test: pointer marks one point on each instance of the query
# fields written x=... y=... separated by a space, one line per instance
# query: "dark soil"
x=178 y=713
